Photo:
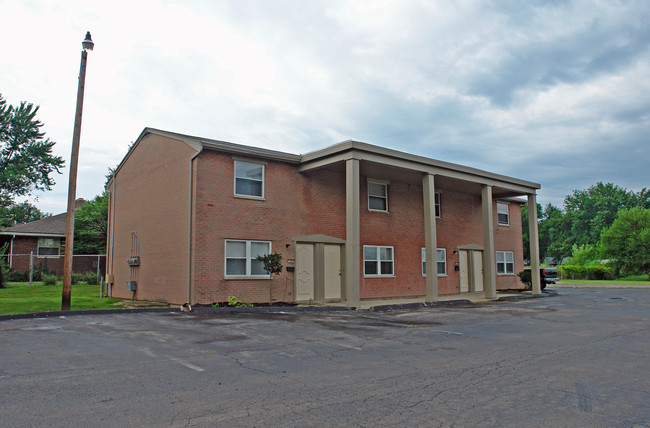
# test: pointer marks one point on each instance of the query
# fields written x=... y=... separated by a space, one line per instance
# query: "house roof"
x=49 y=226
x=381 y=156
x=52 y=226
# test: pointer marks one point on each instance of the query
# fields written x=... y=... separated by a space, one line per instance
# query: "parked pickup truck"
x=547 y=276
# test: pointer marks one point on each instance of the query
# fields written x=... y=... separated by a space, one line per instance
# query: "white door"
x=332 y=267
x=478 y=271
x=304 y=272
x=464 y=271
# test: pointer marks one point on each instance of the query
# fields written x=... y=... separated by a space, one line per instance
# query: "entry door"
x=304 y=272
x=478 y=271
x=464 y=271
x=332 y=271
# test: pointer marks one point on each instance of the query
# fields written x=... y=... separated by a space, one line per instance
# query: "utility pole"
x=87 y=45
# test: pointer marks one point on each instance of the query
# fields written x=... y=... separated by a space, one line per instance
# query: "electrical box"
x=133 y=261
x=110 y=279
x=131 y=285
x=290 y=268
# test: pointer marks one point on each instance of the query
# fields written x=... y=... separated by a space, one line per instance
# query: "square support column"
x=533 y=233
x=352 y=233
x=430 y=238
x=489 y=263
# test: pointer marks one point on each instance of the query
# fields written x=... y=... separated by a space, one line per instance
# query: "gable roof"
x=49 y=226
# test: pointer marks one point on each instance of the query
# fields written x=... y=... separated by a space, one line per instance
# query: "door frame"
x=473 y=251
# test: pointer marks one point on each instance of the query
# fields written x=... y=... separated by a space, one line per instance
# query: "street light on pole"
x=87 y=45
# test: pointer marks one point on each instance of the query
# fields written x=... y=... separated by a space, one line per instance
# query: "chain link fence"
x=30 y=267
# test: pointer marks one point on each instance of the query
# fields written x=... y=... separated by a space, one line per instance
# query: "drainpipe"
x=189 y=234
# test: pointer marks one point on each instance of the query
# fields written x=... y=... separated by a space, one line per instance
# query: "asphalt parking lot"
x=578 y=359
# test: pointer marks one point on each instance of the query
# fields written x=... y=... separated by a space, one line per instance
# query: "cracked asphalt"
x=578 y=359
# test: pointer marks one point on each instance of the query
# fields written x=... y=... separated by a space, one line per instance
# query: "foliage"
x=90 y=226
x=238 y=303
x=524 y=229
x=627 y=241
x=586 y=272
x=13 y=214
x=585 y=255
x=75 y=278
x=49 y=279
x=15 y=276
x=26 y=159
x=272 y=262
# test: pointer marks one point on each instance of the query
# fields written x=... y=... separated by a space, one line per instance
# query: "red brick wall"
x=508 y=238
x=152 y=198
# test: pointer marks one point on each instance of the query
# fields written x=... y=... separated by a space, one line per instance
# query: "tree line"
x=604 y=224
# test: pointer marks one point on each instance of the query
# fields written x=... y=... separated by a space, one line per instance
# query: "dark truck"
x=547 y=276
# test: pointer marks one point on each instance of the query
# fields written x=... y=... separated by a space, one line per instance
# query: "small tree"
x=627 y=241
x=273 y=265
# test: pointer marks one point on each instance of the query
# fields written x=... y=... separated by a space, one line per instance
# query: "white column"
x=430 y=238
x=352 y=233
x=534 y=243
x=489 y=263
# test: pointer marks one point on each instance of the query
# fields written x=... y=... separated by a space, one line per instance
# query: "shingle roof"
x=52 y=226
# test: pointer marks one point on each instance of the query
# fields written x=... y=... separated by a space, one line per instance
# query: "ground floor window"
x=505 y=262
x=378 y=261
x=241 y=258
x=49 y=246
x=442 y=261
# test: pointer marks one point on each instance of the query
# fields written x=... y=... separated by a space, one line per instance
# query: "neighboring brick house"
x=41 y=242
x=188 y=215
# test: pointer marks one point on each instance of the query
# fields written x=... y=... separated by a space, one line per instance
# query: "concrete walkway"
x=449 y=298
x=599 y=286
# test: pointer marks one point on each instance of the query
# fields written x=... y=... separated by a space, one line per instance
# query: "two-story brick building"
x=188 y=216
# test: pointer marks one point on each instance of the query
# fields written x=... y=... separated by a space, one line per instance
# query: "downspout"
x=11 y=252
x=112 y=238
x=189 y=234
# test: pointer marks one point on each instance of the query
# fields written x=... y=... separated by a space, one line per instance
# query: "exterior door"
x=478 y=271
x=304 y=272
x=463 y=271
x=332 y=271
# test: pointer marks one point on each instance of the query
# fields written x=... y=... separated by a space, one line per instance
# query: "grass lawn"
x=20 y=298
x=604 y=282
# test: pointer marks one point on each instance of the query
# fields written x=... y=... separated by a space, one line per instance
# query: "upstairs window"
x=241 y=258
x=249 y=179
x=437 y=204
x=49 y=246
x=503 y=217
x=377 y=196
x=505 y=262
x=442 y=262
x=378 y=261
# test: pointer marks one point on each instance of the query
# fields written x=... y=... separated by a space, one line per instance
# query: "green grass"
x=20 y=298
x=622 y=281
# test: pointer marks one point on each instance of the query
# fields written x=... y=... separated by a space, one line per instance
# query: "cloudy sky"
x=555 y=92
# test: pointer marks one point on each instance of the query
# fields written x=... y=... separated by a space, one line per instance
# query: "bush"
x=49 y=279
x=15 y=276
x=597 y=272
x=75 y=278
x=90 y=278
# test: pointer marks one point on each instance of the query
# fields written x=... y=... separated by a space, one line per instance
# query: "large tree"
x=19 y=214
x=26 y=159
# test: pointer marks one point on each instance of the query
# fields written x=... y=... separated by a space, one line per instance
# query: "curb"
x=270 y=309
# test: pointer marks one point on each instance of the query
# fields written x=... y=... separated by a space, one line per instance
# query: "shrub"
x=75 y=278
x=586 y=272
x=90 y=278
x=49 y=279
x=15 y=276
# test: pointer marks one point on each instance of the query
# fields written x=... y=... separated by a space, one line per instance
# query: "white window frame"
x=244 y=195
x=507 y=213
x=438 y=207
x=444 y=261
x=502 y=259
x=385 y=197
x=378 y=261
x=55 y=241
x=248 y=257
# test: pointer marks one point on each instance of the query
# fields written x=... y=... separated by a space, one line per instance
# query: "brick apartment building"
x=188 y=216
